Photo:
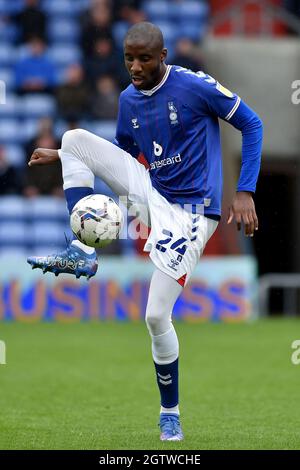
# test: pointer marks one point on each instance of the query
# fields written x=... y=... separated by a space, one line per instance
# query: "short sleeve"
x=214 y=97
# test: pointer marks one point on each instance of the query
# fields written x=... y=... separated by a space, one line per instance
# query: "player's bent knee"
x=71 y=139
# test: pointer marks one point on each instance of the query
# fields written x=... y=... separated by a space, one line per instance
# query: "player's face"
x=145 y=64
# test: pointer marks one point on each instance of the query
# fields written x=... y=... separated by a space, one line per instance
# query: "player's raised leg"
x=163 y=293
x=83 y=156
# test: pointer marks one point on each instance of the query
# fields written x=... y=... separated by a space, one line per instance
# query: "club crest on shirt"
x=135 y=123
x=173 y=113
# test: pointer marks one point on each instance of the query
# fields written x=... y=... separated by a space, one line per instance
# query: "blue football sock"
x=73 y=195
x=167 y=380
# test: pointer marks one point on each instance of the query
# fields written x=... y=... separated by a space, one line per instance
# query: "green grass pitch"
x=92 y=386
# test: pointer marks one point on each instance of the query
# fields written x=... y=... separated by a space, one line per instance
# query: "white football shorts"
x=177 y=238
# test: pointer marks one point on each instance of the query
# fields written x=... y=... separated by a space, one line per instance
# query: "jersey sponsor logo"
x=166 y=161
x=173 y=113
x=135 y=123
x=158 y=150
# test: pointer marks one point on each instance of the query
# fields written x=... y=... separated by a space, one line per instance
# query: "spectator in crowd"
x=31 y=21
x=35 y=72
x=128 y=10
x=72 y=96
x=132 y=15
x=97 y=23
x=48 y=180
x=104 y=60
x=186 y=55
x=9 y=177
x=104 y=102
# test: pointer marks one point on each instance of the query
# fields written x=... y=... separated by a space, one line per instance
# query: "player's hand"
x=43 y=157
x=243 y=211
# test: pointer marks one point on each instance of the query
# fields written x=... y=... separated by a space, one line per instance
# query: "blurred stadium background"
x=61 y=67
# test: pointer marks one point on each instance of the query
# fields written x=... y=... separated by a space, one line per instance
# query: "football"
x=96 y=220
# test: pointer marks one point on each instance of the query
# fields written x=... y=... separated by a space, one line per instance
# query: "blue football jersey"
x=175 y=125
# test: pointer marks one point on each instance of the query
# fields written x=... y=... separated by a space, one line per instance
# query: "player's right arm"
x=43 y=157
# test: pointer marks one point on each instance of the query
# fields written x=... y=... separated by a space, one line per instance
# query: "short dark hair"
x=146 y=31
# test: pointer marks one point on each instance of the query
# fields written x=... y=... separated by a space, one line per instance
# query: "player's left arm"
x=229 y=107
x=242 y=208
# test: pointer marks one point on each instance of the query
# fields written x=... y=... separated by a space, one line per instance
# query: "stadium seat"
x=48 y=208
x=14 y=251
x=63 y=30
x=191 y=10
x=37 y=106
x=10 y=7
x=119 y=30
x=169 y=31
x=60 y=8
x=8 y=32
x=10 y=131
x=13 y=208
x=15 y=155
x=192 y=30
x=29 y=129
x=104 y=129
x=7 y=54
x=63 y=54
x=13 y=233
x=7 y=75
x=157 y=10
x=10 y=108
x=46 y=248
x=47 y=233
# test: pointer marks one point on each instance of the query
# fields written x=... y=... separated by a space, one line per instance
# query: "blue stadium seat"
x=46 y=249
x=157 y=9
x=29 y=129
x=13 y=208
x=192 y=30
x=61 y=7
x=35 y=106
x=7 y=54
x=10 y=107
x=49 y=208
x=8 y=7
x=7 y=75
x=119 y=30
x=8 y=32
x=169 y=31
x=60 y=127
x=13 y=233
x=13 y=251
x=63 y=30
x=191 y=10
x=15 y=155
x=10 y=131
x=63 y=54
x=104 y=129
x=47 y=233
